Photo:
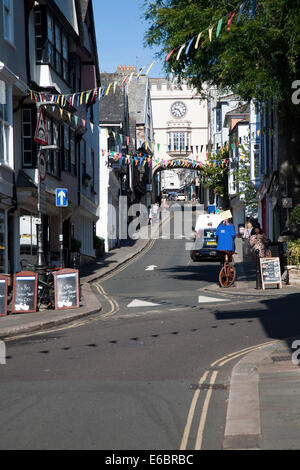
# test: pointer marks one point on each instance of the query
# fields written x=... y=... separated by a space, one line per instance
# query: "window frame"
x=53 y=130
x=8 y=21
x=54 y=49
x=6 y=125
x=218 y=119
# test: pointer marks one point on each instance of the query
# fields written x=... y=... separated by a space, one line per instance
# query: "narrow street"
x=136 y=376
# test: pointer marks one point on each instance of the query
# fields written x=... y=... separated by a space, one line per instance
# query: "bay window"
x=52 y=44
x=179 y=141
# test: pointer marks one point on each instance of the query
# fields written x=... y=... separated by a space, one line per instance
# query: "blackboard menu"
x=270 y=271
x=24 y=292
x=3 y=296
x=66 y=289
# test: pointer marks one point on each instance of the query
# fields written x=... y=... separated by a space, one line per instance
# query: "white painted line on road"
x=203 y=299
x=141 y=303
x=151 y=268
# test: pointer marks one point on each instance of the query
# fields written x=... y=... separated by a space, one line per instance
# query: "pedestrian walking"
x=246 y=236
x=247 y=231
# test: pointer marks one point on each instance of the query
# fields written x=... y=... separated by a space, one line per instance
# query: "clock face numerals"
x=178 y=109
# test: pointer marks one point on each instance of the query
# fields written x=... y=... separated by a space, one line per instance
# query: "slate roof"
x=112 y=106
x=137 y=98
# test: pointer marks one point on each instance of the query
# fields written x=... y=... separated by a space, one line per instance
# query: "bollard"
x=258 y=279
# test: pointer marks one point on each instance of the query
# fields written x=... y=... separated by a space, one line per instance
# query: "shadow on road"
x=280 y=317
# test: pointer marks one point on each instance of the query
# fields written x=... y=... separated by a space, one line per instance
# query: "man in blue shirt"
x=225 y=237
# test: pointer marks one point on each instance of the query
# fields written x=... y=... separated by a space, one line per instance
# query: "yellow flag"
x=108 y=88
x=140 y=72
x=210 y=33
x=198 y=39
x=150 y=67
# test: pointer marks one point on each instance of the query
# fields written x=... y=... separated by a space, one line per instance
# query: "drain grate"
x=281 y=358
x=209 y=387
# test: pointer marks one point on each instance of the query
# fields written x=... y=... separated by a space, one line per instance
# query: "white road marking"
x=151 y=268
x=203 y=299
x=141 y=303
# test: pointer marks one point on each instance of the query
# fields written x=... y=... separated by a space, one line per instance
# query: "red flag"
x=169 y=55
x=230 y=20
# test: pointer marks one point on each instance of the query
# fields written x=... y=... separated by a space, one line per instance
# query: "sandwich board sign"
x=270 y=272
x=41 y=135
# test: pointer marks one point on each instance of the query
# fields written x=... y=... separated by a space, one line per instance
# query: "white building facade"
x=180 y=124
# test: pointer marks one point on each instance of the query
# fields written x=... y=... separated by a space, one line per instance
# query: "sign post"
x=41 y=135
x=61 y=201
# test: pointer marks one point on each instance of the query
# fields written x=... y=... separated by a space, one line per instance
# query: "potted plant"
x=293 y=262
x=295 y=220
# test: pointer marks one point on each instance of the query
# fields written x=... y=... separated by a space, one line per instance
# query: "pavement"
x=264 y=393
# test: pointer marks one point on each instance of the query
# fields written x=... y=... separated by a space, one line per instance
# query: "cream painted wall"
x=195 y=121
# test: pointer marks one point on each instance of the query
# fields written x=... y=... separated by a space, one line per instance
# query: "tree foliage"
x=214 y=174
x=246 y=190
x=258 y=57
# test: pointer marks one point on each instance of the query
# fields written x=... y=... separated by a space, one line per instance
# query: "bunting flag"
x=140 y=72
x=231 y=16
x=189 y=45
x=219 y=27
x=210 y=33
x=180 y=51
x=170 y=53
x=198 y=39
x=240 y=12
x=150 y=67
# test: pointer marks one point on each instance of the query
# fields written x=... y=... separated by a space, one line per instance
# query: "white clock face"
x=178 y=109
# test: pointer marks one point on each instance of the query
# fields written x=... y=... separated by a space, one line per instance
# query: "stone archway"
x=173 y=163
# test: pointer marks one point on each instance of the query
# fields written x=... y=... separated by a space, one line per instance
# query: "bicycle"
x=227 y=273
x=45 y=294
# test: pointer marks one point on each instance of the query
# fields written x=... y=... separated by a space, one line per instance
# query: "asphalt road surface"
x=151 y=372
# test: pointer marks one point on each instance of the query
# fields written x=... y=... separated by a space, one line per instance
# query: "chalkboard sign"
x=24 y=292
x=3 y=295
x=66 y=284
x=270 y=271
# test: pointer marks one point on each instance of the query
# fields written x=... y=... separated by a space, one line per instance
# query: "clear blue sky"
x=120 y=30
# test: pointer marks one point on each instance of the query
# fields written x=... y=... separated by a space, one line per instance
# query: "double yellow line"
x=218 y=363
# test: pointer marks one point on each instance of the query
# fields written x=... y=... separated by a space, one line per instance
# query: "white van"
x=205 y=245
